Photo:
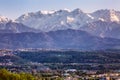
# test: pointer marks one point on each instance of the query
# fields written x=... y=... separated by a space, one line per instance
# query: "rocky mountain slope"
x=66 y=19
x=61 y=39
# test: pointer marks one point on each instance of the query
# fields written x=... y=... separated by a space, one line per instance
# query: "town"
x=12 y=61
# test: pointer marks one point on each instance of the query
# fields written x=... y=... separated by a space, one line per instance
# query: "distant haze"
x=14 y=8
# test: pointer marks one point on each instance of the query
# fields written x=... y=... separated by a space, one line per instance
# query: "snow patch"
x=102 y=35
x=68 y=10
x=101 y=19
x=113 y=18
x=48 y=12
x=70 y=19
x=90 y=16
x=3 y=19
x=62 y=23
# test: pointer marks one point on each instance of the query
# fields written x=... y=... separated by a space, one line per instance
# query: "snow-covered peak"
x=77 y=11
x=107 y=15
x=47 y=12
x=62 y=12
x=66 y=9
x=113 y=16
x=3 y=19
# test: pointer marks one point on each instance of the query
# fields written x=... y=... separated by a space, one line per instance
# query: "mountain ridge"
x=64 y=19
x=61 y=39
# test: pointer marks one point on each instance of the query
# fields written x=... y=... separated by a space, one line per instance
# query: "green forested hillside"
x=71 y=57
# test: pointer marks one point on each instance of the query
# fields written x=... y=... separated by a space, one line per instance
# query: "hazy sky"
x=15 y=8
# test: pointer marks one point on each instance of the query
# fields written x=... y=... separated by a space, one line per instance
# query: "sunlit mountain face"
x=66 y=19
x=62 y=29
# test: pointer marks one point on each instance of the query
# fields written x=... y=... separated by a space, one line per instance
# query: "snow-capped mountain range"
x=63 y=19
x=66 y=19
x=62 y=29
x=76 y=19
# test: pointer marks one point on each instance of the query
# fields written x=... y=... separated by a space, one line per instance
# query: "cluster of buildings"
x=4 y=60
x=70 y=74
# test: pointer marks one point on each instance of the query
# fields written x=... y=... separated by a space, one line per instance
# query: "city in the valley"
x=53 y=64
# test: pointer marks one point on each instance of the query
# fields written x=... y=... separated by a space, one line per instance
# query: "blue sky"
x=14 y=8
